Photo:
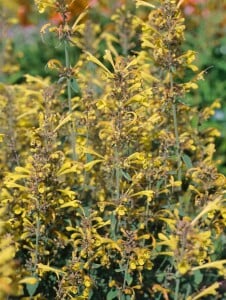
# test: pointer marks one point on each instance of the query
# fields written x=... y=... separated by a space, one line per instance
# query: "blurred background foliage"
x=23 y=48
x=206 y=34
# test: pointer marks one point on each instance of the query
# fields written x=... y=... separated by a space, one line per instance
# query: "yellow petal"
x=211 y=290
x=29 y=280
x=92 y=163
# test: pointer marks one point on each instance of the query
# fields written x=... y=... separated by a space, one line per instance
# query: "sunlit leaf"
x=148 y=193
x=211 y=290
x=144 y=3
x=63 y=122
x=29 y=280
x=88 y=150
x=80 y=17
x=97 y=62
x=46 y=268
x=74 y=203
x=88 y=166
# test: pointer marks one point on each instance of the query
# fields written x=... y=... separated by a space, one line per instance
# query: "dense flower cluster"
x=108 y=176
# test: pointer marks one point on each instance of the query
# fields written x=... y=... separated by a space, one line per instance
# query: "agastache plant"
x=115 y=194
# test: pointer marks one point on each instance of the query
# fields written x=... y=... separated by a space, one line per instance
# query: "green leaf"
x=187 y=161
x=121 y=269
x=112 y=294
x=198 y=277
x=90 y=294
x=172 y=172
x=88 y=166
x=159 y=183
x=96 y=61
x=89 y=157
x=126 y=175
x=31 y=288
x=129 y=278
x=160 y=277
x=74 y=85
x=96 y=266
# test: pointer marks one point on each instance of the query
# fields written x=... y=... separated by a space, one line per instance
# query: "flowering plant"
x=108 y=177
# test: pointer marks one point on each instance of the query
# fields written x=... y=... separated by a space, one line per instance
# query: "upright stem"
x=114 y=221
x=72 y=124
x=176 y=297
x=177 y=141
x=37 y=235
x=175 y=123
x=125 y=274
x=179 y=174
x=117 y=174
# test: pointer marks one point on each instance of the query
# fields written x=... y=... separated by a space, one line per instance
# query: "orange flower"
x=74 y=9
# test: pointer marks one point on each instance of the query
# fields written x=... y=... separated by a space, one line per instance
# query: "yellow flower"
x=87 y=281
x=219 y=264
x=148 y=265
x=183 y=267
x=147 y=254
x=144 y=3
x=223 y=213
x=173 y=183
x=171 y=241
x=211 y=290
x=141 y=261
x=1 y=137
x=43 y=4
x=112 y=283
x=121 y=210
x=41 y=188
x=132 y=265
x=220 y=181
x=17 y=209
x=104 y=260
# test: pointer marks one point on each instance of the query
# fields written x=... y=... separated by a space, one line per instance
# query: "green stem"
x=69 y=96
x=188 y=291
x=117 y=174
x=114 y=222
x=125 y=275
x=175 y=123
x=37 y=235
x=177 y=142
x=176 y=297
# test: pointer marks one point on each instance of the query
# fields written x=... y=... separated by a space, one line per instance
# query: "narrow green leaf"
x=74 y=85
x=121 y=269
x=129 y=278
x=112 y=294
x=187 y=161
x=126 y=175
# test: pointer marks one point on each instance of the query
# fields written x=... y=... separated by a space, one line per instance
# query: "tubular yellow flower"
x=112 y=283
x=211 y=290
x=132 y=265
x=43 y=4
x=87 y=281
x=121 y=210
x=183 y=267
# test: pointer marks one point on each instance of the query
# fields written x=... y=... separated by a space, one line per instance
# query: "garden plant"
x=109 y=187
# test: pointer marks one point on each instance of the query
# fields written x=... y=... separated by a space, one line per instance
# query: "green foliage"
x=210 y=46
x=109 y=179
